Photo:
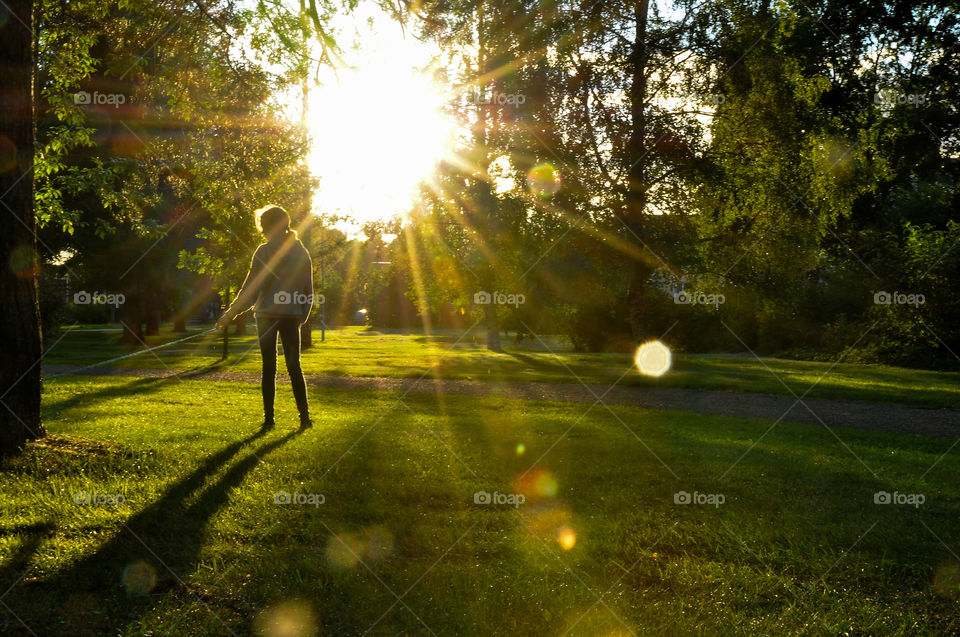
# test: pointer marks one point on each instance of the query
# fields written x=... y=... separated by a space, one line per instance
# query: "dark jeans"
x=289 y=330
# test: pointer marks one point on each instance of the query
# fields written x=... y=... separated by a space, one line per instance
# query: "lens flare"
x=544 y=180
x=24 y=261
x=8 y=154
x=346 y=550
x=537 y=484
x=139 y=578
x=521 y=449
x=946 y=580
x=287 y=619
x=566 y=537
x=546 y=485
x=653 y=359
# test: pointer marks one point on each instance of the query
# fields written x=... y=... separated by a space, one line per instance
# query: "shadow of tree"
x=135 y=385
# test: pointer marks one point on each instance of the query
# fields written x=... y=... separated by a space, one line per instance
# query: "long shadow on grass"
x=391 y=484
x=154 y=552
x=136 y=386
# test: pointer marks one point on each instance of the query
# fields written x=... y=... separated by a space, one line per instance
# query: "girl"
x=279 y=286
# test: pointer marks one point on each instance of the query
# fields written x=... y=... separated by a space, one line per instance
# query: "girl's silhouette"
x=279 y=286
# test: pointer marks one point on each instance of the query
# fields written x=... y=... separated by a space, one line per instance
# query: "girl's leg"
x=290 y=337
x=267 y=332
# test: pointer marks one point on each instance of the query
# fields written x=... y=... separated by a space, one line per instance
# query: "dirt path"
x=815 y=411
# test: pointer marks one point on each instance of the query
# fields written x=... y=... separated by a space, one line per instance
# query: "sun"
x=377 y=131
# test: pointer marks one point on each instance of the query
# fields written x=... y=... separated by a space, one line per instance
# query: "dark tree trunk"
x=179 y=323
x=132 y=333
x=637 y=156
x=638 y=302
x=240 y=325
x=484 y=200
x=493 y=328
x=20 y=319
x=153 y=323
x=132 y=318
x=226 y=328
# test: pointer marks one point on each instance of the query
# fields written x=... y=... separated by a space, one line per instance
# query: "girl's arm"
x=247 y=295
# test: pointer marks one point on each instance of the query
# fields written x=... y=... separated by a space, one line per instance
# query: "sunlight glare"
x=377 y=132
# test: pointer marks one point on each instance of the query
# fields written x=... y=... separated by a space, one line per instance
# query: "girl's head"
x=274 y=222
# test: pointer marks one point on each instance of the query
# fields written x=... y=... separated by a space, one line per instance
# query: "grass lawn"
x=367 y=352
x=197 y=545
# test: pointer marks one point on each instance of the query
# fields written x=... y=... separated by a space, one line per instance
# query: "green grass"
x=798 y=546
x=366 y=353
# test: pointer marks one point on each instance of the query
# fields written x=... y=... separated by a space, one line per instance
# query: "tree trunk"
x=20 y=319
x=131 y=318
x=179 y=323
x=638 y=300
x=493 y=328
x=484 y=200
x=636 y=154
x=132 y=333
x=153 y=323
x=240 y=325
x=226 y=328
x=638 y=157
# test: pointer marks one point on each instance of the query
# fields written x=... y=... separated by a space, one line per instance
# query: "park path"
x=941 y=422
